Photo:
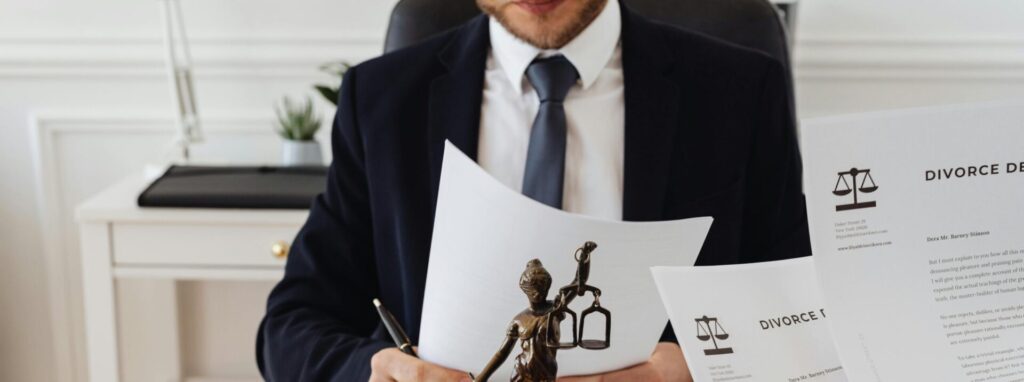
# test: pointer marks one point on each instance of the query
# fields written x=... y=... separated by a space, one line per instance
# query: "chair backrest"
x=755 y=24
x=751 y=23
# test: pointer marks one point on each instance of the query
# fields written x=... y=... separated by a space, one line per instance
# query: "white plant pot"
x=301 y=153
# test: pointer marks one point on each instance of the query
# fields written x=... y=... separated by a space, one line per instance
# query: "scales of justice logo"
x=866 y=185
x=708 y=328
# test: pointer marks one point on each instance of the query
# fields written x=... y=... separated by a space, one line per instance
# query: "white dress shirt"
x=594 y=109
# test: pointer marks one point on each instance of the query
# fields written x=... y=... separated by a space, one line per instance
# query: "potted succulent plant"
x=298 y=124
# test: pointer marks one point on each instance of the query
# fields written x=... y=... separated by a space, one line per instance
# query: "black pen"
x=396 y=332
x=394 y=329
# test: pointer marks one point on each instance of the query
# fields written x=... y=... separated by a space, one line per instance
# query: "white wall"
x=859 y=55
x=80 y=74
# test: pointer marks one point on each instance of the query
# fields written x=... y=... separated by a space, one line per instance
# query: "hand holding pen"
x=396 y=364
x=395 y=329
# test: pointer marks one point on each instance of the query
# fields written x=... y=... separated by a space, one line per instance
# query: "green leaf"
x=336 y=69
x=331 y=95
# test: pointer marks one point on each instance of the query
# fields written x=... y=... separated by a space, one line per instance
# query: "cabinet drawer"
x=201 y=244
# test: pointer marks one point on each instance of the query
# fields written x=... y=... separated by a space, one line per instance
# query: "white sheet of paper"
x=924 y=277
x=751 y=322
x=485 y=233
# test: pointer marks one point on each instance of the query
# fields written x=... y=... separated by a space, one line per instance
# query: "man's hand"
x=667 y=364
x=391 y=365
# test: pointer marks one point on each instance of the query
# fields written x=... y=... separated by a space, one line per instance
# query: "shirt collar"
x=589 y=52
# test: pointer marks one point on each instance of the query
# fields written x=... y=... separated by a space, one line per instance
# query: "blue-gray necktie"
x=545 y=160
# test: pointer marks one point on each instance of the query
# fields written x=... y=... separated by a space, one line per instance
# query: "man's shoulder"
x=418 y=61
x=686 y=46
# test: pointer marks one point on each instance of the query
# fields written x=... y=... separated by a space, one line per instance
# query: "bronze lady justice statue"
x=537 y=327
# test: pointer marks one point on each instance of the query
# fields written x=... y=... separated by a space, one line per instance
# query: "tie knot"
x=552 y=77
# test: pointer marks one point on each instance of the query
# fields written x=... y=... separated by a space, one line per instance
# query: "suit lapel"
x=454 y=114
x=455 y=95
x=652 y=103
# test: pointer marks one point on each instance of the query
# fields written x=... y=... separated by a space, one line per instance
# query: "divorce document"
x=917 y=225
x=485 y=234
x=751 y=322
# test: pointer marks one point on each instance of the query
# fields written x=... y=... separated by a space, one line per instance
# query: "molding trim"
x=280 y=56
x=66 y=323
x=67 y=339
x=886 y=58
x=290 y=55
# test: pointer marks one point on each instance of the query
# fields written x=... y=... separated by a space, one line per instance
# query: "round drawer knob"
x=279 y=249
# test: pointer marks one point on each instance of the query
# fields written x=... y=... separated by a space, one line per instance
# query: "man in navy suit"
x=581 y=105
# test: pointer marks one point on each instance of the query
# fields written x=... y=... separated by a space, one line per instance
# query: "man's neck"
x=589 y=51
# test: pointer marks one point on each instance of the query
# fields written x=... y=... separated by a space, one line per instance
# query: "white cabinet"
x=120 y=240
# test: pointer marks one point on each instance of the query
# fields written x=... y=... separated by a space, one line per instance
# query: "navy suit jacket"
x=708 y=132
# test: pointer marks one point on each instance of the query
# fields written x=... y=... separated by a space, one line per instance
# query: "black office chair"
x=753 y=24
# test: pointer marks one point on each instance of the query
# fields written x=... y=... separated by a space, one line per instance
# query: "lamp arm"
x=179 y=68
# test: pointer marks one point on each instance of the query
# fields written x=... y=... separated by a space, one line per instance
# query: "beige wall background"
x=86 y=78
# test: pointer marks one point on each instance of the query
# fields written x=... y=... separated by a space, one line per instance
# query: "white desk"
x=121 y=240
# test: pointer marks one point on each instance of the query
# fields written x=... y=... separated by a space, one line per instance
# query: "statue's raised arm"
x=578 y=286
